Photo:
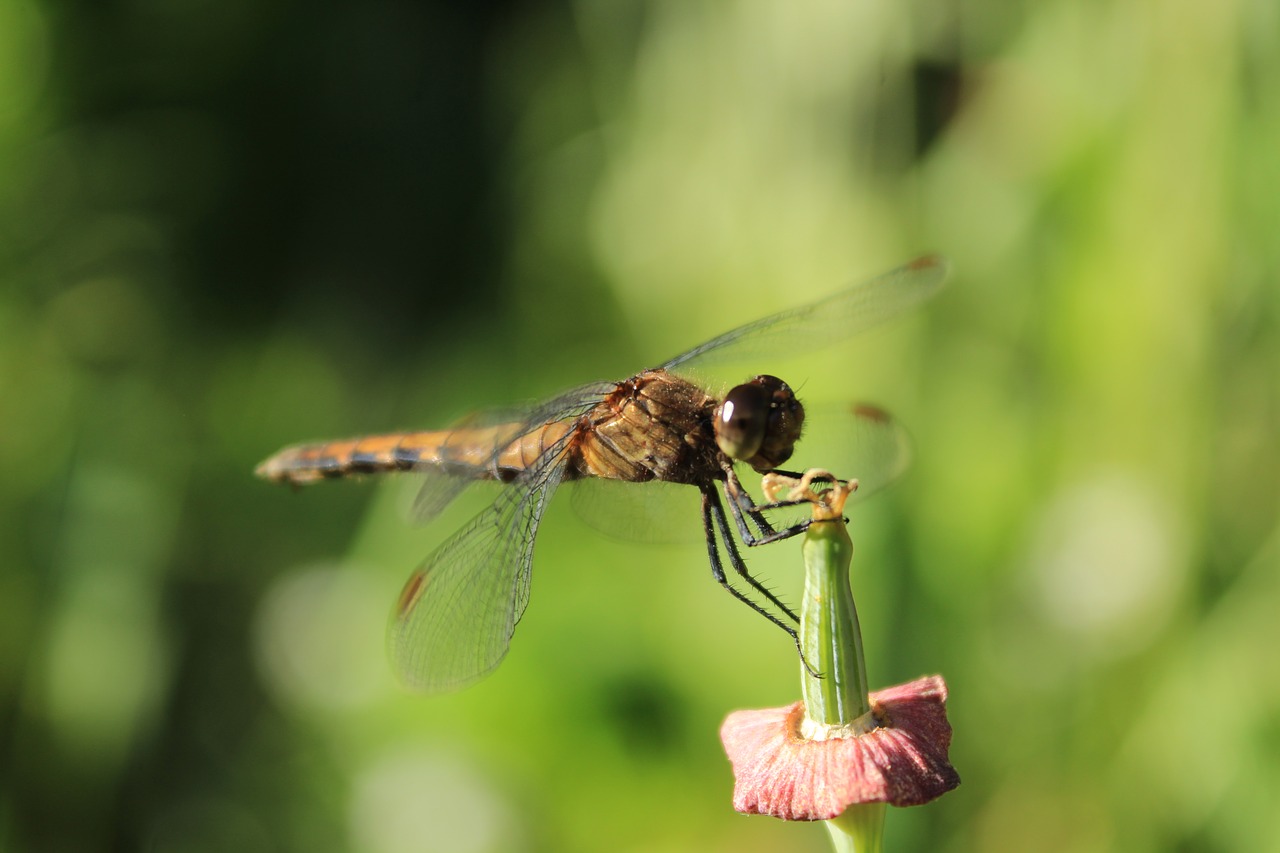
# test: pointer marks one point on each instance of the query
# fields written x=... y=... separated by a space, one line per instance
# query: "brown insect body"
x=653 y=426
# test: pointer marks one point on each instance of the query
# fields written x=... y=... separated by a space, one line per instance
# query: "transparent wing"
x=441 y=486
x=437 y=491
x=454 y=620
x=826 y=321
x=871 y=446
x=655 y=512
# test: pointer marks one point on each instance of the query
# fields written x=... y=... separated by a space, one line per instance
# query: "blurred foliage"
x=227 y=227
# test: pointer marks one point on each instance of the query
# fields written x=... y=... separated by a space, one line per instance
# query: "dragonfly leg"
x=713 y=518
x=743 y=507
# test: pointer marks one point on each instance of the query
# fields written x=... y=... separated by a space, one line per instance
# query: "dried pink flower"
x=902 y=761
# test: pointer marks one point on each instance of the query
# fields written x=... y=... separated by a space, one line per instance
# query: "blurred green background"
x=225 y=227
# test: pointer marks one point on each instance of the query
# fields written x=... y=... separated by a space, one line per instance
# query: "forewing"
x=454 y=620
x=869 y=446
x=827 y=321
x=879 y=449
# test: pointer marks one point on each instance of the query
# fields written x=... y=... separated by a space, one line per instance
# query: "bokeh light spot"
x=426 y=802
x=319 y=638
x=1104 y=563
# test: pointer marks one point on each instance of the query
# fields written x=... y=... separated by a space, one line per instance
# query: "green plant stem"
x=829 y=635
x=835 y=699
x=859 y=829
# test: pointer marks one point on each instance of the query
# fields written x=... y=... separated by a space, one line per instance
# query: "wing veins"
x=472 y=590
x=831 y=319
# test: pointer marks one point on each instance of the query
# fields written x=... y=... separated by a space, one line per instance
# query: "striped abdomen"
x=468 y=452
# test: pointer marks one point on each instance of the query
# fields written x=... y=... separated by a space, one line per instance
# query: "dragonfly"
x=453 y=622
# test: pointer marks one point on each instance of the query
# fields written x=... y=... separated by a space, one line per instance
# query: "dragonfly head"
x=759 y=423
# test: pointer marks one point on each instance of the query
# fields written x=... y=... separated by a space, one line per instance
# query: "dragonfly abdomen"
x=308 y=463
x=467 y=453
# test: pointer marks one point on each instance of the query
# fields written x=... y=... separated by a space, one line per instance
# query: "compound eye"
x=741 y=421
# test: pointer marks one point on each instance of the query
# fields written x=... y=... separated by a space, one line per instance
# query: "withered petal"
x=902 y=762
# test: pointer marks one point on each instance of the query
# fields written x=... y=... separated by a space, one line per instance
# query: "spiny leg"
x=713 y=519
x=711 y=509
